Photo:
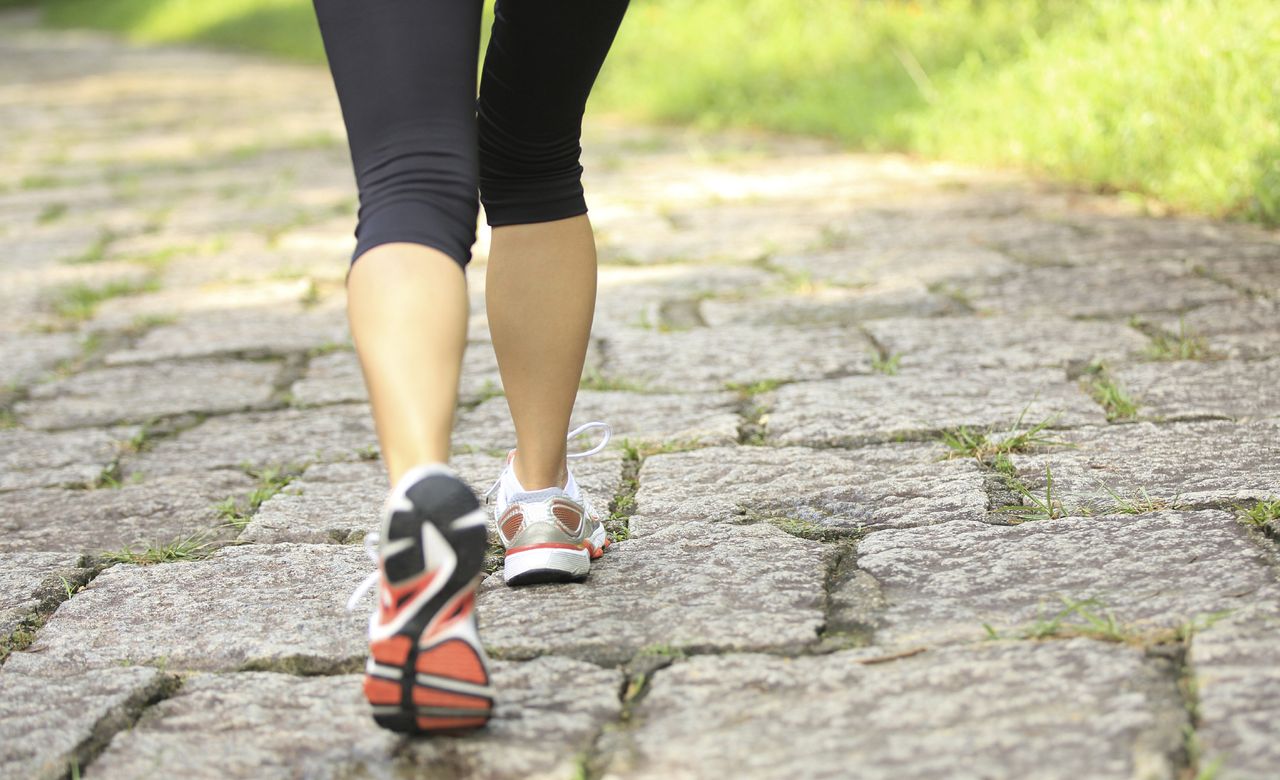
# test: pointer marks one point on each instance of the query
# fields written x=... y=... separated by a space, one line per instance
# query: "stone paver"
x=1161 y=570
x=279 y=607
x=738 y=588
x=1237 y=667
x=151 y=512
x=1190 y=390
x=33 y=581
x=38 y=459
x=1093 y=710
x=965 y=343
x=783 y=330
x=285 y=438
x=651 y=419
x=1193 y=463
x=50 y=715
x=861 y=409
x=712 y=358
x=891 y=486
x=139 y=393
x=267 y=725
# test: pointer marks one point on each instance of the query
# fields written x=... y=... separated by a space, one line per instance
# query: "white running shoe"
x=550 y=535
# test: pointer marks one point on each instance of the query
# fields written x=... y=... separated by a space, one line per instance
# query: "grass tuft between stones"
x=1114 y=399
x=1089 y=618
x=1260 y=514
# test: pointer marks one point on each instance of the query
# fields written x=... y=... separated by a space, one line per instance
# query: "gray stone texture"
x=276 y=607
x=711 y=358
x=52 y=716
x=635 y=297
x=699 y=419
x=1239 y=328
x=1188 y=389
x=1065 y=710
x=38 y=459
x=30 y=582
x=1153 y=571
x=138 y=393
x=896 y=265
x=1113 y=291
x=1210 y=463
x=29 y=357
x=268 y=725
x=136 y=515
x=890 y=486
x=861 y=409
x=828 y=306
x=1236 y=664
x=965 y=343
x=749 y=587
x=247 y=332
x=285 y=438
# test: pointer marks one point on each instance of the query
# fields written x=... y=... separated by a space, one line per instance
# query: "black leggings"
x=422 y=143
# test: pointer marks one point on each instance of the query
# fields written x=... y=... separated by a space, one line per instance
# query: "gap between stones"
x=122 y=717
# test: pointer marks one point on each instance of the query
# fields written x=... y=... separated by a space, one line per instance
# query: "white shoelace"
x=604 y=441
x=371 y=538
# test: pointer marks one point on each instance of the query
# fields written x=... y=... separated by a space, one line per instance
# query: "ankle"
x=540 y=478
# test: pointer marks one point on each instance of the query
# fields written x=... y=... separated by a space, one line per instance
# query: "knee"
x=528 y=176
x=419 y=184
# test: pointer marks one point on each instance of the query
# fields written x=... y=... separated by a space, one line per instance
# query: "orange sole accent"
x=454 y=659
x=380 y=691
x=433 y=697
x=549 y=546
x=392 y=651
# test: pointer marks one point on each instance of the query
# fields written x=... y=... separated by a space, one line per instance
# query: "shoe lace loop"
x=370 y=549
x=604 y=441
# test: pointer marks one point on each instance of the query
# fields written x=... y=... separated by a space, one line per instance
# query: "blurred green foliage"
x=1173 y=99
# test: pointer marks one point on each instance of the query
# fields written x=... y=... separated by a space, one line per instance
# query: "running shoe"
x=552 y=534
x=427 y=671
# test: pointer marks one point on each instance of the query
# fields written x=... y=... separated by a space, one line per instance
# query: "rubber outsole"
x=441 y=687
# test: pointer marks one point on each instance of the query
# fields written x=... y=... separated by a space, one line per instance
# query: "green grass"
x=1110 y=395
x=78 y=302
x=1034 y=507
x=1185 y=345
x=1169 y=99
x=191 y=548
x=1260 y=514
x=969 y=442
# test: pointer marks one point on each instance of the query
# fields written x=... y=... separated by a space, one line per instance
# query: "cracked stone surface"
x=1154 y=571
x=892 y=486
x=1189 y=389
x=138 y=393
x=963 y=343
x=918 y=717
x=153 y=511
x=31 y=459
x=289 y=437
x=278 y=607
x=860 y=409
x=264 y=724
x=708 y=359
x=832 y=306
x=246 y=332
x=27 y=583
x=1243 y=329
x=701 y=419
x=1236 y=663
x=1193 y=463
x=171 y=322
x=48 y=714
x=1110 y=291
x=748 y=587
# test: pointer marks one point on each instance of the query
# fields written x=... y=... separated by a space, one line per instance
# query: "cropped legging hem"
x=427 y=151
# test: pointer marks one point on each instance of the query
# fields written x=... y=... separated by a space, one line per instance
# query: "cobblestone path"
x=833 y=373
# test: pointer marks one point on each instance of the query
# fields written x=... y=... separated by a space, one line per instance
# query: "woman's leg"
x=405 y=75
x=541 y=63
